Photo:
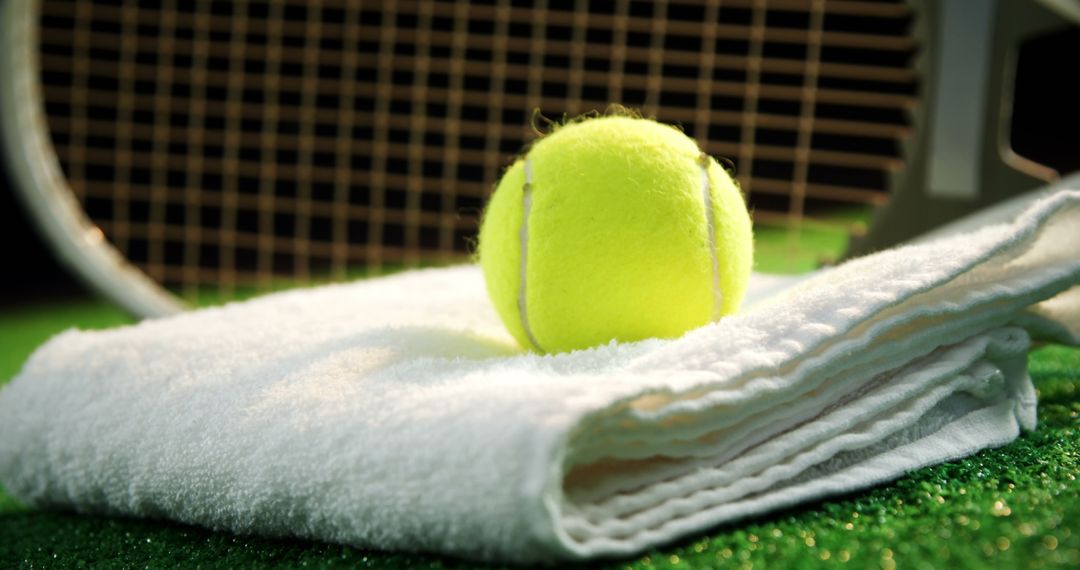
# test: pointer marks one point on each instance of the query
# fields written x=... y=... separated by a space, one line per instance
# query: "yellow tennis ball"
x=614 y=228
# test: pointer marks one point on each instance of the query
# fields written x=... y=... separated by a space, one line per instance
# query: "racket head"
x=226 y=147
x=42 y=186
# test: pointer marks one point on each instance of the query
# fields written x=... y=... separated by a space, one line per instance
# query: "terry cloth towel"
x=396 y=413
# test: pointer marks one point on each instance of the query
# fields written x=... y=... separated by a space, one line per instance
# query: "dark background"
x=1046 y=125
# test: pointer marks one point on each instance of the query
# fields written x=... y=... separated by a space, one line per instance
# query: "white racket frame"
x=40 y=183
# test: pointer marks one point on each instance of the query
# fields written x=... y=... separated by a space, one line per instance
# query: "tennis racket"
x=177 y=152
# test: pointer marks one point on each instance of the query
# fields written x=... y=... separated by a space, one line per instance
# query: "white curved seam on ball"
x=706 y=191
x=523 y=238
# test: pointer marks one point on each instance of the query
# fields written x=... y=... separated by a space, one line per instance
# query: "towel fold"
x=396 y=413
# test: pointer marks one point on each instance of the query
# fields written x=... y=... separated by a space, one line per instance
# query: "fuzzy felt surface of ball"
x=614 y=229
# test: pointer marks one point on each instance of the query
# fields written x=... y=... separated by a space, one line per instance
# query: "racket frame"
x=39 y=182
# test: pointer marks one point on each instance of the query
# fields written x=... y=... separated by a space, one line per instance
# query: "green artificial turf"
x=787 y=249
x=1013 y=507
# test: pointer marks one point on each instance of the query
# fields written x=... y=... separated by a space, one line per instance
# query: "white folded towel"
x=397 y=413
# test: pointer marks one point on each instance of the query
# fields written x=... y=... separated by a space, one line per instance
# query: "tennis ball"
x=613 y=228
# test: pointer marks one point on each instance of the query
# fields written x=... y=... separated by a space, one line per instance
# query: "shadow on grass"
x=69 y=540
